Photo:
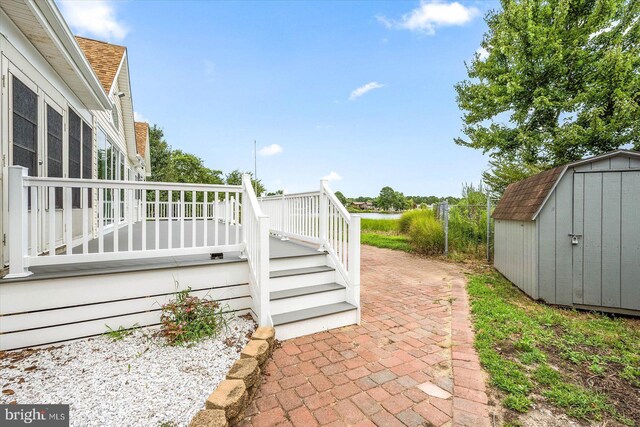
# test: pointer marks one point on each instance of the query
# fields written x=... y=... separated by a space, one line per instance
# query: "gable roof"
x=42 y=24
x=142 y=134
x=105 y=59
x=523 y=200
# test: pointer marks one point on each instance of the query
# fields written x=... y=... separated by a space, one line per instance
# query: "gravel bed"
x=136 y=381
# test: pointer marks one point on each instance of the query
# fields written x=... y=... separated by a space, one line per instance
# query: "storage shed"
x=571 y=235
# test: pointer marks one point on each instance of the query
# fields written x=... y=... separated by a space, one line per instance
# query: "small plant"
x=189 y=319
x=120 y=333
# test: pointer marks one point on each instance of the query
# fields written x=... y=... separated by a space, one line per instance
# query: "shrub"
x=426 y=235
x=407 y=218
x=189 y=319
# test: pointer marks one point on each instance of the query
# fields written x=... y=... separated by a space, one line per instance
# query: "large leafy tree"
x=169 y=165
x=558 y=80
x=235 y=178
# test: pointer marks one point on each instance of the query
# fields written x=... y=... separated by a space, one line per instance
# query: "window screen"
x=75 y=153
x=87 y=156
x=25 y=127
x=54 y=149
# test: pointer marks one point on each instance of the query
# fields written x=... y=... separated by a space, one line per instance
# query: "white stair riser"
x=299 y=281
x=302 y=302
x=297 y=262
x=318 y=324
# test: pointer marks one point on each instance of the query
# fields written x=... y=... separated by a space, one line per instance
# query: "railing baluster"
x=215 y=219
x=226 y=217
x=205 y=217
x=182 y=211
x=101 y=220
x=52 y=221
x=170 y=220
x=143 y=220
x=116 y=219
x=236 y=205
x=193 y=219
x=156 y=212
x=34 y=220
x=85 y=220
x=67 y=207
x=129 y=218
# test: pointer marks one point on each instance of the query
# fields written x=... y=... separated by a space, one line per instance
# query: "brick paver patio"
x=410 y=363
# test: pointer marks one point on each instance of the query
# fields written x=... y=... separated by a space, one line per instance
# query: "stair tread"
x=299 y=271
x=310 y=313
x=293 y=256
x=304 y=290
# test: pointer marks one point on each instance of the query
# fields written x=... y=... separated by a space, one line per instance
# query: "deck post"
x=263 y=272
x=18 y=223
x=323 y=214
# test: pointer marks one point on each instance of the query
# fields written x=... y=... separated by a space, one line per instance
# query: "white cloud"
x=270 y=150
x=357 y=93
x=430 y=15
x=139 y=117
x=333 y=176
x=482 y=53
x=94 y=18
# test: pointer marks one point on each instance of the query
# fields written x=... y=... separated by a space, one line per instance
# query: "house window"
x=87 y=156
x=25 y=127
x=54 y=149
x=75 y=153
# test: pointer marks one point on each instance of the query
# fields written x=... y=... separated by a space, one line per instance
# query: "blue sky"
x=360 y=92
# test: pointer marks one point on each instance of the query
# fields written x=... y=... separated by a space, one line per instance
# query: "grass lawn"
x=586 y=365
x=387 y=241
x=383 y=233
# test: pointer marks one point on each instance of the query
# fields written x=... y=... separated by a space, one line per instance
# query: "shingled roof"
x=105 y=59
x=142 y=132
x=522 y=199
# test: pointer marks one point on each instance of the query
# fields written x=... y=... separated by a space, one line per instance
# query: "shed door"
x=606 y=260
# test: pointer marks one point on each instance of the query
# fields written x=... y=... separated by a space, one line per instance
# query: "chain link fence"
x=468 y=228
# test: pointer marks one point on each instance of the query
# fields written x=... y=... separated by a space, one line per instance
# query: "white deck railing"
x=256 y=242
x=59 y=221
x=319 y=218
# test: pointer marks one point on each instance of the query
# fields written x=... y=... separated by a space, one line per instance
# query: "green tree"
x=560 y=80
x=386 y=199
x=235 y=178
x=160 y=152
x=341 y=197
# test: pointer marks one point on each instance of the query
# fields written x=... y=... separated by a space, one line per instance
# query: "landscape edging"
x=227 y=404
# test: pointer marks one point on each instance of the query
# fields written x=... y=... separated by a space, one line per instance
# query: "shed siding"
x=602 y=269
x=630 y=241
x=516 y=253
x=554 y=242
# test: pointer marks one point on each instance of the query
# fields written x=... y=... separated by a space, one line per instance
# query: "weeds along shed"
x=571 y=235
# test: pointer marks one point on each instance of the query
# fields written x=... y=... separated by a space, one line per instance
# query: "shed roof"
x=523 y=200
x=105 y=59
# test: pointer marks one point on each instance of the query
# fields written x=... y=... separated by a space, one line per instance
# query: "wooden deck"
x=277 y=249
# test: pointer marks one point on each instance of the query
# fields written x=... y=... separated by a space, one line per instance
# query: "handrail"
x=69 y=220
x=318 y=218
x=33 y=181
x=255 y=236
x=331 y=195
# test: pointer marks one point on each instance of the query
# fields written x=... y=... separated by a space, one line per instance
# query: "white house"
x=87 y=242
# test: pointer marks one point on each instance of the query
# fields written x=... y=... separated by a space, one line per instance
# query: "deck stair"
x=307 y=296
